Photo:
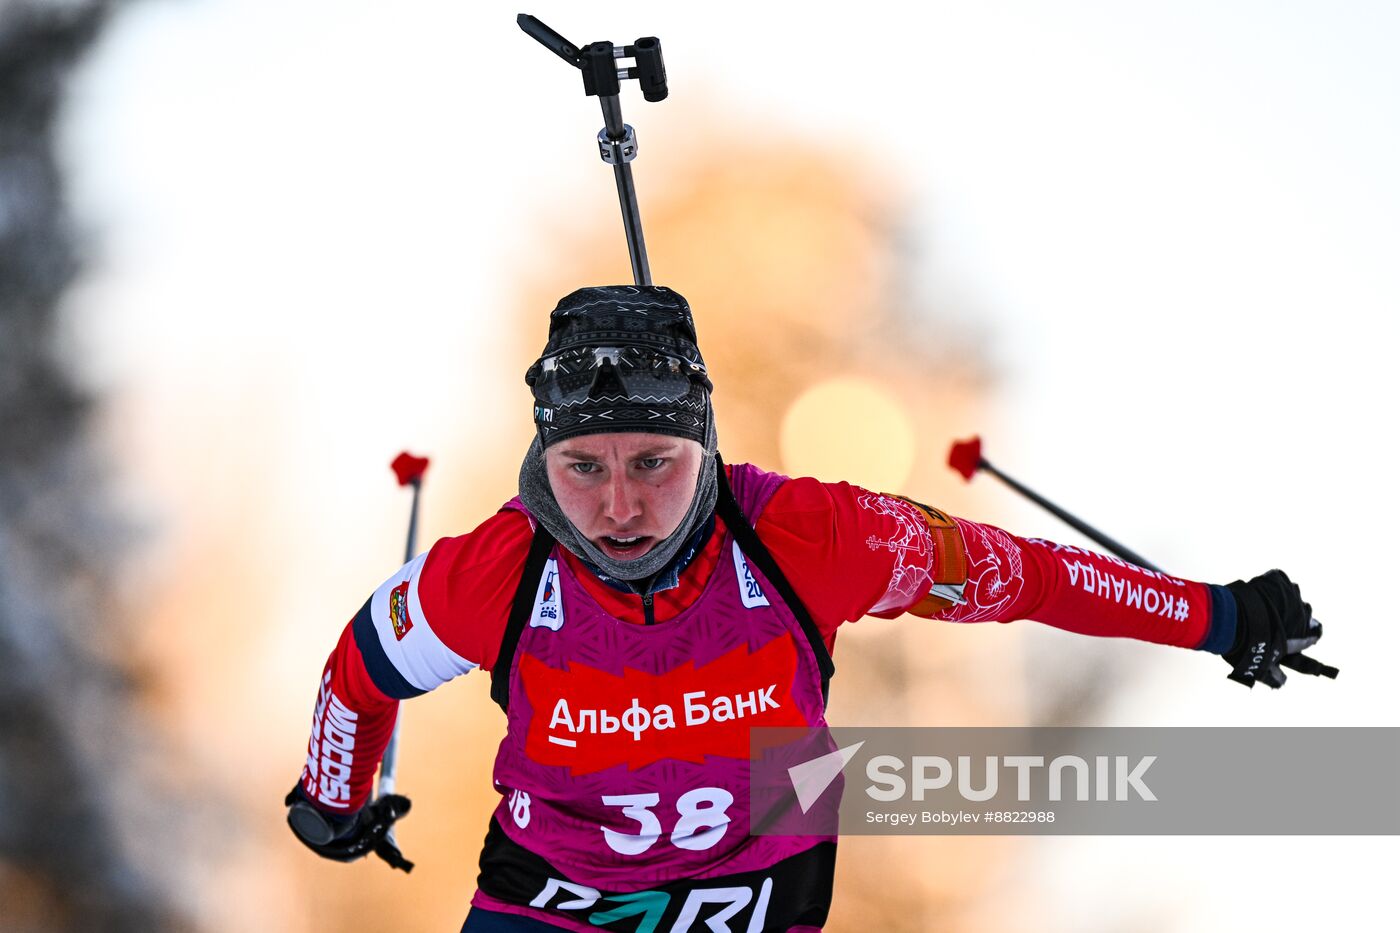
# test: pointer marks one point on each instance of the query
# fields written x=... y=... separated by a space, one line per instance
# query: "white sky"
x=1177 y=221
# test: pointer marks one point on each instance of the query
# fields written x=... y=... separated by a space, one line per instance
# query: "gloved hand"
x=346 y=838
x=1273 y=626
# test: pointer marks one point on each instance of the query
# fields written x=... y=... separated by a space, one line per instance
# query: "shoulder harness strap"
x=949 y=569
x=757 y=551
x=520 y=609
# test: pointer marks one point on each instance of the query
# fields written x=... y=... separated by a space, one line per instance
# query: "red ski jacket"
x=847 y=553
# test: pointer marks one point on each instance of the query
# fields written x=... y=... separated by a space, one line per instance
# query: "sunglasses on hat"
x=640 y=374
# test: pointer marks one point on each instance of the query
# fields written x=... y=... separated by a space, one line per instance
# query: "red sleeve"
x=849 y=552
x=843 y=549
x=349 y=731
x=1076 y=590
x=468 y=584
x=439 y=616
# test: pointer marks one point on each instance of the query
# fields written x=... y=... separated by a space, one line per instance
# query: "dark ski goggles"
x=641 y=373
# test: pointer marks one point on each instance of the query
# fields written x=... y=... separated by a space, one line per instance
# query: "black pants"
x=492 y=921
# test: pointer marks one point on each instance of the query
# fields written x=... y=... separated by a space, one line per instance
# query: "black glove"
x=1273 y=626
x=346 y=838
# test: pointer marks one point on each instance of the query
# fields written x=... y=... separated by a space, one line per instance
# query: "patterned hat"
x=620 y=358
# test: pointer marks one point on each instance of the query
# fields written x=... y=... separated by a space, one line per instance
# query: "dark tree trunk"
x=69 y=720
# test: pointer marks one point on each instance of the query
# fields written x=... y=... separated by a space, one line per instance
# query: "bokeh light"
x=849 y=427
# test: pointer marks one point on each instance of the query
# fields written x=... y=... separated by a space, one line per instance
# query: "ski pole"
x=600 y=63
x=409 y=470
x=966 y=457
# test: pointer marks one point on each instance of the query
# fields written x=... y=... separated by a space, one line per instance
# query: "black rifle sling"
x=752 y=545
x=520 y=609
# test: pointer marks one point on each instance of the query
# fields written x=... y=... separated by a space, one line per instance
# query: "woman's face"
x=625 y=492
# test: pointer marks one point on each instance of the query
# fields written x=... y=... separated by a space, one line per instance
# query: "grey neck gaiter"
x=538 y=497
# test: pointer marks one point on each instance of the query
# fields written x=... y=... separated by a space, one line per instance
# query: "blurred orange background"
x=1144 y=252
